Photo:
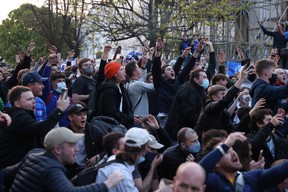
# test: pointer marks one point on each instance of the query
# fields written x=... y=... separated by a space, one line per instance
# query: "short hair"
x=213 y=133
x=183 y=133
x=111 y=141
x=195 y=74
x=212 y=144
x=215 y=89
x=21 y=73
x=130 y=68
x=57 y=75
x=217 y=78
x=163 y=67
x=262 y=65
x=16 y=92
x=148 y=76
x=81 y=61
x=258 y=117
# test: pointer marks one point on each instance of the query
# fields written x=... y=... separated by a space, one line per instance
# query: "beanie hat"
x=111 y=69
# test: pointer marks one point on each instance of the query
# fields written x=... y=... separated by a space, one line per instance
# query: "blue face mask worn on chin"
x=140 y=160
x=194 y=148
x=60 y=86
x=205 y=83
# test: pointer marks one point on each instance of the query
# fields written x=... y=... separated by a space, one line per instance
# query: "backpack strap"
x=129 y=93
x=48 y=98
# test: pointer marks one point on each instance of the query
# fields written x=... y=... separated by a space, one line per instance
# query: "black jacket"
x=23 y=134
x=259 y=142
x=43 y=172
x=108 y=103
x=185 y=109
x=215 y=115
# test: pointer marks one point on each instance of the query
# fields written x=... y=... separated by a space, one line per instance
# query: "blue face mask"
x=60 y=86
x=140 y=160
x=194 y=148
x=149 y=157
x=205 y=83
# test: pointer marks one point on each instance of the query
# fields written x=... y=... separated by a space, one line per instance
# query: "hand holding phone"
x=64 y=93
x=282 y=112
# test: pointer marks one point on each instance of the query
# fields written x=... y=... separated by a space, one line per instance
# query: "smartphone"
x=282 y=112
x=64 y=92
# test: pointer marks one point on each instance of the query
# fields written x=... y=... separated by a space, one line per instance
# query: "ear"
x=174 y=180
x=114 y=151
x=259 y=124
x=195 y=80
x=17 y=104
x=70 y=118
x=57 y=150
x=214 y=97
x=183 y=145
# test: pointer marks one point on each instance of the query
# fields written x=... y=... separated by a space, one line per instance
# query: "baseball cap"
x=76 y=108
x=153 y=143
x=32 y=77
x=139 y=135
x=61 y=135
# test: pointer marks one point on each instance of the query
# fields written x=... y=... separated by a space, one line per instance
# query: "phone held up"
x=64 y=93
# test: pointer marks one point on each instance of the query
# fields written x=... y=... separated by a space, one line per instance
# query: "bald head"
x=190 y=176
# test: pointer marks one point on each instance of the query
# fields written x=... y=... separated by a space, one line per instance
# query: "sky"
x=9 y=5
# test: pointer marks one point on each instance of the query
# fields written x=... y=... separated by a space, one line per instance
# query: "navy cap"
x=76 y=108
x=32 y=77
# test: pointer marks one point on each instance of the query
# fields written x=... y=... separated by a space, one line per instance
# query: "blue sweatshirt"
x=256 y=180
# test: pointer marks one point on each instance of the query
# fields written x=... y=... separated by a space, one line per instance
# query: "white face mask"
x=60 y=86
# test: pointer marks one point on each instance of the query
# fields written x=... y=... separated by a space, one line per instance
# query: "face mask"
x=88 y=70
x=194 y=148
x=205 y=83
x=149 y=157
x=273 y=79
x=140 y=160
x=60 y=86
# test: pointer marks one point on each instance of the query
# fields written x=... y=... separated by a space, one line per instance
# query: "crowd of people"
x=143 y=124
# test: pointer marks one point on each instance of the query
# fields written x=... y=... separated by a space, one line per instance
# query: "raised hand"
x=30 y=48
x=241 y=54
x=221 y=58
x=258 y=105
x=52 y=49
x=233 y=137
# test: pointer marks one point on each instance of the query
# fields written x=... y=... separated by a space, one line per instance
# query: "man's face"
x=54 y=83
x=79 y=120
x=265 y=121
x=187 y=183
x=26 y=101
x=120 y=75
x=137 y=71
x=222 y=82
x=281 y=77
x=68 y=153
x=85 y=65
x=36 y=88
x=192 y=139
x=219 y=95
x=202 y=76
x=229 y=162
x=169 y=72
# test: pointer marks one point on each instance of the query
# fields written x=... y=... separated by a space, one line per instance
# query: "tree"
x=61 y=23
x=147 y=19
x=15 y=35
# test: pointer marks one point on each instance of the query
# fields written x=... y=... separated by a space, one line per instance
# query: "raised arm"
x=156 y=68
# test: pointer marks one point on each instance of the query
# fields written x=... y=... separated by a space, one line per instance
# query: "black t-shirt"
x=83 y=85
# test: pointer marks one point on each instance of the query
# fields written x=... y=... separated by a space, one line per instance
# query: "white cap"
x=139 y=135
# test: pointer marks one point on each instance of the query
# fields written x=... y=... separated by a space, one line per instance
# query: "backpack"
x=88 y=175
x=108 y=124
x=99 y=127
